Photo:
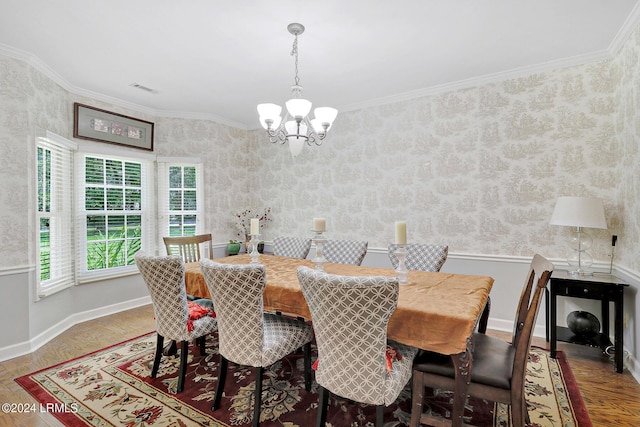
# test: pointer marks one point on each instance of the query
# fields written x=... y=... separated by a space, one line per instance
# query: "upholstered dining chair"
x=421 y=256
x=293 y=247
x=345 y=251
x=176 y=318
x=498 y=368
x=188 y=247
x=246 y=335
x=355 y=360
x=429 y=257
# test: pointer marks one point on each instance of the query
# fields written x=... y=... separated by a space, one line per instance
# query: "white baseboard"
x=38 y=341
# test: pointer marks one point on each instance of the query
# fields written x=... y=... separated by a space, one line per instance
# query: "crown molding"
x=625 y=31
x=483 y=80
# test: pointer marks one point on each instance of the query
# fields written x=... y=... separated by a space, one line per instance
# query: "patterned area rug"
x=112 y=387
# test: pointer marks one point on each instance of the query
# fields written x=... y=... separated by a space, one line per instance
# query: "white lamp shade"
x=579 y=212
x=317 y=126
x=325 y=114
x=295 y=145
x=269 y=111
x=298 y=107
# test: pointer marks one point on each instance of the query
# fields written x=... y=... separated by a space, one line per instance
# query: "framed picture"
x=100 y=125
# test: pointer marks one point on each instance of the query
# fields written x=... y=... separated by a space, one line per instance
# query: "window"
x=181 y=205
x=114 y=213
x=96 y=209
x=54 y=214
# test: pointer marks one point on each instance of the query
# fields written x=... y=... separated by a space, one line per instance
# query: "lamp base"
x=581 y=273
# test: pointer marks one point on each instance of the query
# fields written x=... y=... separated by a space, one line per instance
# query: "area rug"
x=112 y=387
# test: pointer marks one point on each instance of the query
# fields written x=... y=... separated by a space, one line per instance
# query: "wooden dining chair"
x=430 y=257
x=345 y=251
x=355 y=360
x=498 y=368
x=293 y=247
x=188 y=247
x=246 y=334
x=176 y=318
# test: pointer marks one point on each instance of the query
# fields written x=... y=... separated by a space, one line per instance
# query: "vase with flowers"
x=242 y=223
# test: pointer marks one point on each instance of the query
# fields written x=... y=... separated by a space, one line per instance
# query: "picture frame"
x=95 y=124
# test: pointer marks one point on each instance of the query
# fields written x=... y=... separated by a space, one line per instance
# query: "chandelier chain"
x=294 y=53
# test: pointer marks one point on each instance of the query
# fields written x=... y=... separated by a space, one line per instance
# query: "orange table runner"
x=436 y=311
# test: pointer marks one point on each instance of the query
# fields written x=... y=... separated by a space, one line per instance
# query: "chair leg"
x=184 y=355
x=484 y=317
x=299 y=319
x=417 y=395
x=158 y=356
x=307 y=366
x=171 y=349
x=323 y=402
x=222 y=375
x=518 y=412
x=257 y=400
x=202 y=343
x=379 y=415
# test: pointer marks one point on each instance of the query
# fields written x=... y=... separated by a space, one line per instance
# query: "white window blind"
x=54 y=214
x=115 y=214
x=180 y=198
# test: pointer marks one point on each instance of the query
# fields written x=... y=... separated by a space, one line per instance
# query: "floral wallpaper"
x=477 y=168
x=628 y=132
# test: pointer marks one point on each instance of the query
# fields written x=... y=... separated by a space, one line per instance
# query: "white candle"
x=401 y=232
x=255 y=226
x=319 y=224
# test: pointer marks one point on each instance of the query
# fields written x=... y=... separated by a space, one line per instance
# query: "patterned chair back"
x=294 y=247
x=164 y=277
x=345 y=251
x=421 y=256
x=350 y=316
x=236 y=291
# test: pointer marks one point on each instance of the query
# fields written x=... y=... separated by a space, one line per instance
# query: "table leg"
x=618 y=330
x=462 y=363
x=546 y=312
x=552 y=321
x=606 y=331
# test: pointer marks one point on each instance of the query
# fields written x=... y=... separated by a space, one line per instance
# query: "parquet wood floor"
x=611 y=399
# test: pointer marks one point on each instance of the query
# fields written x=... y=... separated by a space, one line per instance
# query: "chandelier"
x=296 y=127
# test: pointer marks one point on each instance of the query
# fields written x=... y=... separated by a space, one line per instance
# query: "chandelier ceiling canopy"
x=296 y=127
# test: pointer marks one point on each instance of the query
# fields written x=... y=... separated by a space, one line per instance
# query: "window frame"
x=147 y=211
x=156 y=183
x=61 y=214
x=164 y=218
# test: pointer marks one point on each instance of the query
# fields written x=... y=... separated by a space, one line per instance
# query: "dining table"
x=436 y=311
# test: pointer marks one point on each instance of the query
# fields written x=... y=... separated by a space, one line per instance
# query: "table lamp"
x=579 y=212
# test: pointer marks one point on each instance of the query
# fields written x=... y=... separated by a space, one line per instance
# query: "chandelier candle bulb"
x=319 y=224
x=255 y=226
x=401 y=232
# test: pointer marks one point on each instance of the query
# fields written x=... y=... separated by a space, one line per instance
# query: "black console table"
x=603 y=287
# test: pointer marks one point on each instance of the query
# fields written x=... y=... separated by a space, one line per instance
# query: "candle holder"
x=254 y=248
x=401 y=271
x=319 y=241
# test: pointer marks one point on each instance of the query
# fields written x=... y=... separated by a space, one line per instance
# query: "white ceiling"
x=218 y=59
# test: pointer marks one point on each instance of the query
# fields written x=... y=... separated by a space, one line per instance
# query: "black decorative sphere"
x=583 y=324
